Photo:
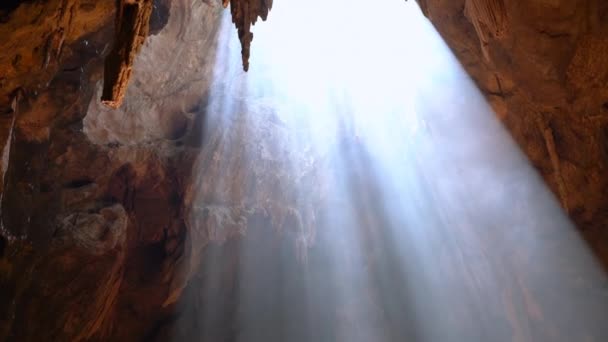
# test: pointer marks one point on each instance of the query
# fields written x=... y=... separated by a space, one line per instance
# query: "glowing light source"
x=403 y=209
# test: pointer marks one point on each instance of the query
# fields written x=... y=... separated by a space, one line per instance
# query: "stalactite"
x=132 y=26
x=244 y=14
x=132 y=23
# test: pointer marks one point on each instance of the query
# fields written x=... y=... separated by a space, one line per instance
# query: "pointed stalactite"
x=244 y=14
x=132 y=25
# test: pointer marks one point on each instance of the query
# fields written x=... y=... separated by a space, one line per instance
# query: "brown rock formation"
x=72 y=210
x=544 y=67
x=132 y=24
x=131 y=30
x=110 y=215
x=244 y=14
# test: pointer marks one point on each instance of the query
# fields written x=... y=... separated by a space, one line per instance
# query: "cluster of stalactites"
x=244 y=14
x=132 y=25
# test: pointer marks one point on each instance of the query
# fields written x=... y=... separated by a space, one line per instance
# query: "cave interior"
x=429 y=170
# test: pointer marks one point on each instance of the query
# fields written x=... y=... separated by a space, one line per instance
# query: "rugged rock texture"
x=132 y=25
x=83 y=209
x=103 y=203
x=54 y=31
x=49 y=28
x=543 y=65
x=165 y=68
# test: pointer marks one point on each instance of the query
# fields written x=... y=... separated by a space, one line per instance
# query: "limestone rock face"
x=36 y=37
x=86 y=208
x=133 y=25
x=119 y=208
x=543 y=65
x=165 y=67
x=103 y=226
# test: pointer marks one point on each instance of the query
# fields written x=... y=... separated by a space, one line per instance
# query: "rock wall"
x=104 y=226
x=543 y=65
x=86 y=207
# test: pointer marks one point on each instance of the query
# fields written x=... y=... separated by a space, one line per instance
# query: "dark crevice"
x=45 y=188
x=72 y=69
x=554 y=35
x=9 y=5
x=78 y=183
x=155 y=334
x=160 y=16
x=3 y=244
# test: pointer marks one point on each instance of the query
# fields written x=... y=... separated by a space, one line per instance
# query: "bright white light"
x=413 y=214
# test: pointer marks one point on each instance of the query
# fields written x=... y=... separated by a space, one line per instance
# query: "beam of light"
x=376 y=196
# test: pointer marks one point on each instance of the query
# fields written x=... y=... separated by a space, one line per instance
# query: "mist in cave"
x=389 y=203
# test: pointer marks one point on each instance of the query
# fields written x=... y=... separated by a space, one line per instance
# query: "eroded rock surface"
x=121 y=210
x=543 y=66
x=103 y=201
x=177 y=61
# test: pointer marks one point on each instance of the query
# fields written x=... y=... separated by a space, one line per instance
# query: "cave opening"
x=360 y=182
x=376 y=195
